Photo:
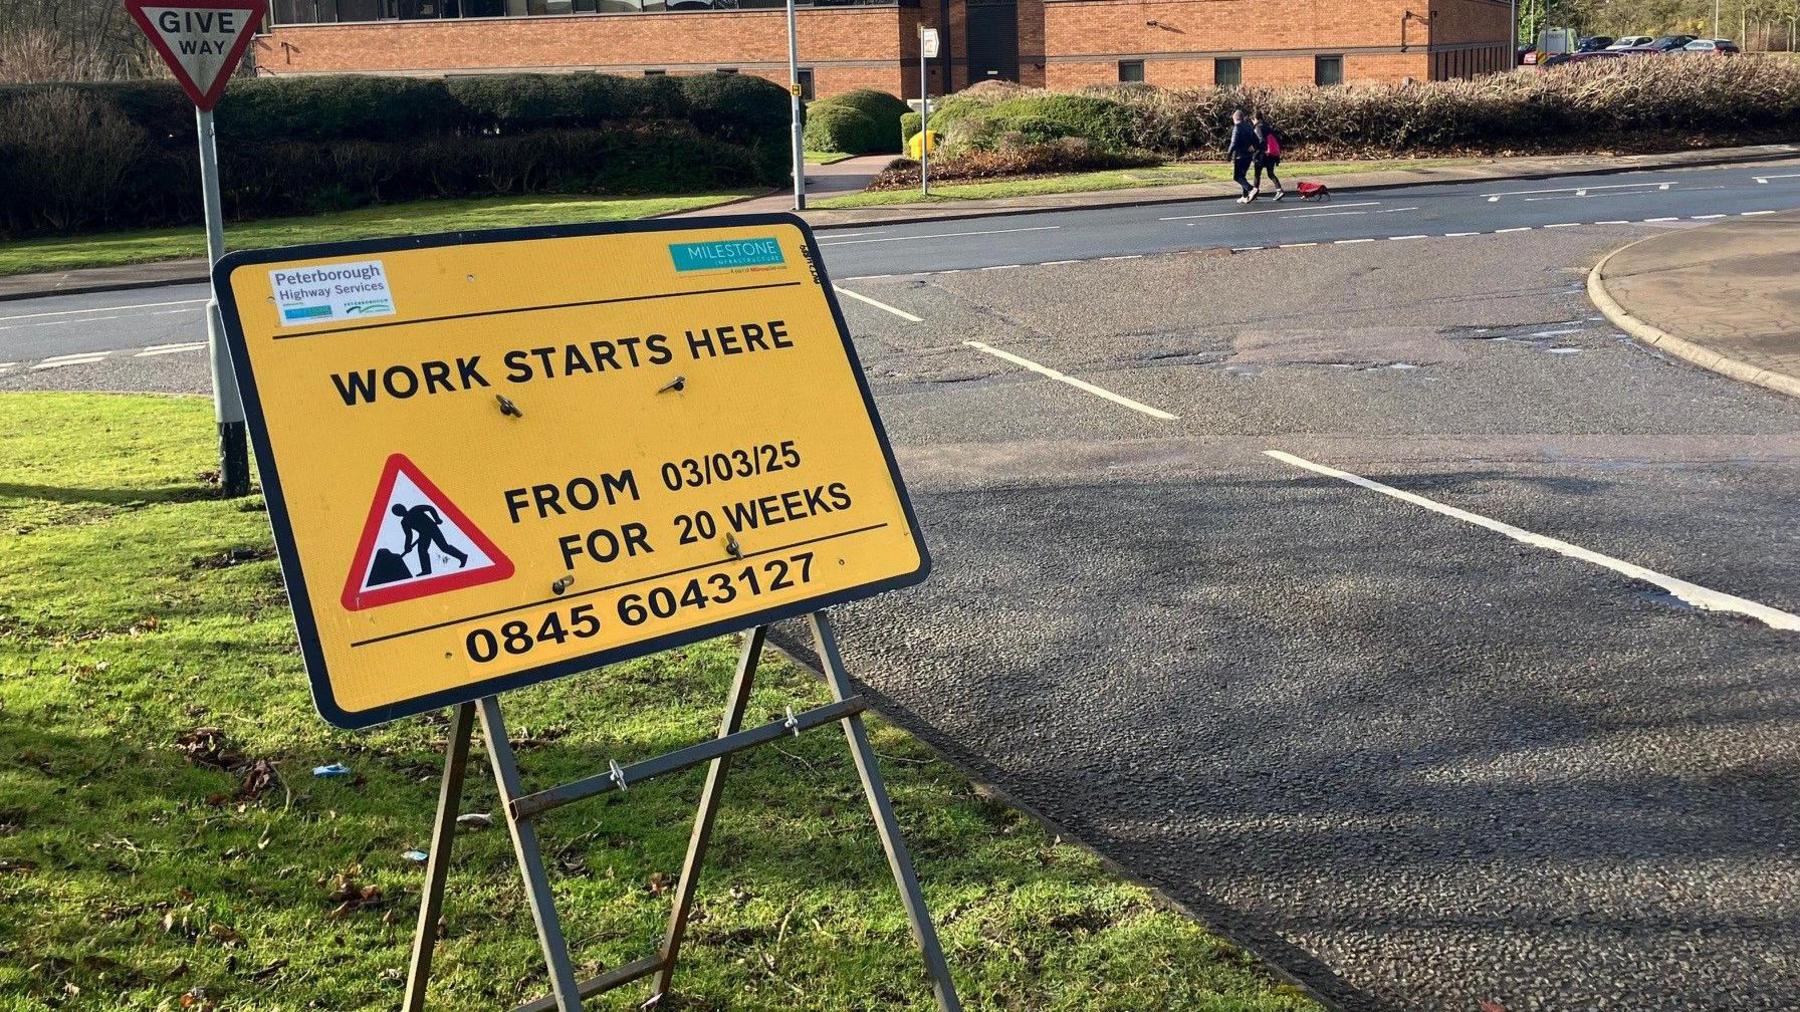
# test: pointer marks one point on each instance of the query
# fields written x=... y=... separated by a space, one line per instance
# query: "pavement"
x=1722 y=297
x=1338 y=570
x=853 y=174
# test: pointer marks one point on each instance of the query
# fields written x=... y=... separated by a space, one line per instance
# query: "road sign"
x=200 y=40
x=928 y=43
x=496 y=458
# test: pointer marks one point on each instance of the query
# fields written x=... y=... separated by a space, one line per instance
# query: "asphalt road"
x=1378 y=601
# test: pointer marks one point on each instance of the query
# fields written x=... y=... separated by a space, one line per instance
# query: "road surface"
x=1364 y=590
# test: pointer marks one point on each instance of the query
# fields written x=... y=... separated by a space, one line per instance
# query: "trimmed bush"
x=122 y=155
x=841 y=128
x=1069 y=154
x=885 y=109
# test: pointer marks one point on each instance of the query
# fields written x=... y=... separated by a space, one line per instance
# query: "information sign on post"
x=496 y=458
x=202 y=42
x=928 y=50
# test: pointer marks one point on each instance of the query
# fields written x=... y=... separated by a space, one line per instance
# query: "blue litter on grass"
x=333 y=770
x=416 y=856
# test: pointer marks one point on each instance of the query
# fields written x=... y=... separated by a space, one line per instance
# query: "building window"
x=1328 y=70
x=806 y=83
x=1131 y=71
x=654 y=73
x=1228 y=72
x=725 y=70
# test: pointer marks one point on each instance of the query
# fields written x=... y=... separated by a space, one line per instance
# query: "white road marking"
x=1704 y=217
x=1661 y=219
x=1127 y=256
x=58 y=361
x=1346 y=242
x=1787 y=175
x=103 y=309
x=1563 y=224
x=1271 y=210
x=944 y=235
x=1245 y=249
x=1492 y=197
x=1297 y=245
x=1083 y=385
x=1521 y=228
x=7 y=365
x=1458 y=235
x=1616 y=221
x=1395 y=238
x=1396 y=210
x=901 y=313
x=1585 y=196
x=1691 y=593
x=1752 y=214
x=169 y=349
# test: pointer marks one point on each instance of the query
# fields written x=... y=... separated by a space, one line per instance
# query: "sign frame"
x=293 y=576
x=203 y=98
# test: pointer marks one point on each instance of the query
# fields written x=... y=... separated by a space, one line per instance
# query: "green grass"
x=826 y=157
x=135 y=608
x=1173 y=174
x=108 y=249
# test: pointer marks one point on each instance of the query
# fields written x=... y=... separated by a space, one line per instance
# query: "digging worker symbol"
x=424 y=529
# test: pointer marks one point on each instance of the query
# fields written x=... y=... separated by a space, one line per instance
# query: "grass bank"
x=164 y=844
x=111 y=249
x=1172 y=174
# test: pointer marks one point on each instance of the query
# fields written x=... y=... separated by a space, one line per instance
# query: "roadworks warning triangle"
x=416 y=543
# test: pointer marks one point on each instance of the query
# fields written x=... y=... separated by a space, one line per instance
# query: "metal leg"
x=431 y=904
x=735 y=704
x=531 y=860
x=899 y=861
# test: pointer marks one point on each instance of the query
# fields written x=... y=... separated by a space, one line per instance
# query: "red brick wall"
x=846 y=47
x=1197 y=72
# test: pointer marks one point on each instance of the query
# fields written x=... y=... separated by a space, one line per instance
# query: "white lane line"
x=1297 y=245
x=57 y=362
x=1786 y=175
x=1521 y=228
x=1590 y=196
x=1396 y=210
x=1705 y=217
x=7 y=365
x=169 y=349
x=1458 y=235
x=1083 y=385
x=1346 y=242
x=944 y=235
x=104 y=309
x=1752 y=214
x=1246 y=249
x=1128 y=256
x=1691 y=593
x=1616 y=221
x=1057 y=263
x=1563 y=224
x=901 y=313
x=1647 y=220
x=1271 y=210
x=1567 y=189
x=1396 y=238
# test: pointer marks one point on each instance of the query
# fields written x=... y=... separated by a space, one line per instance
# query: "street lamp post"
x=794 y=110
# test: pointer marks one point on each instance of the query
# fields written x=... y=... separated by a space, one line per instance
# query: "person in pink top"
x=1268 y=152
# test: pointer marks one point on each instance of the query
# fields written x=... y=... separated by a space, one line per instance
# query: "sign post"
x=928 y=50
x=202 y=42
x=796 y=110
x=484 y=471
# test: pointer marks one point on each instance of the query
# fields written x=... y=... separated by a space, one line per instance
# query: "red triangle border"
x=205 y=99
x=357 y=599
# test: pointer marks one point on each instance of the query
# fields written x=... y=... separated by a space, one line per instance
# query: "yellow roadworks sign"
x=494 y=458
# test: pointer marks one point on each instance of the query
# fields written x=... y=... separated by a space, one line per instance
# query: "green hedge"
x=841 y=128
x=122 y=155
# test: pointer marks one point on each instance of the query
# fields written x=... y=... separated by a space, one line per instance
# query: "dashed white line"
x=169 y=349
x=1128 y=256
x=1458 y=235
x=1297 y=245
x=944 y=235
x=1396 y=238
x=1268 y=210
x=1647 y=220
x=1786 y=175
x=1615 y=221
x=1705 y=217
x=59 y=361
x=1246 y=249
x=103 y=309
x=1083 y=385
x=1395 y=210
x=1563 y=224
x=1752 y=214
x=901 y=313
x=1691 y=593
x=1346 y=242
x=1521 y=228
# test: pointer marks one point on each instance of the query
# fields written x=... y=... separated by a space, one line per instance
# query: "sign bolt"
x=563 y=584
x=507 y=407
x=678 y=384
x=615 y=774
x=791 y=723
x=732 y=547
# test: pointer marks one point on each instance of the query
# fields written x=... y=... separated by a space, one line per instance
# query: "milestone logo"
x=331 y=292
x=725 y=255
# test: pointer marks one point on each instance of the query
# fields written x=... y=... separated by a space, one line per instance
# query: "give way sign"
x=201 y=40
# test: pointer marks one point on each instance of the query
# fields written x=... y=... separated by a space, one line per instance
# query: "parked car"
x=1593 y=43
x=1629 y=42
x=1670 y=43
x=1592 y=56
x=1711 y=47
x=1527 y=55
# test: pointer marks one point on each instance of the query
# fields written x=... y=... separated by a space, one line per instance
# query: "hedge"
x=122 y=155
x=841 y=128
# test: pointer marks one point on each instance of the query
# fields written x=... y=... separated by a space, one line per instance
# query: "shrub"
x=841 y=128
x=63 y=153
x=1068 y=154
x=1041 y=118
x=886 y=110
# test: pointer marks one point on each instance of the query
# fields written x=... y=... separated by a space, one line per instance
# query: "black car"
x=1593 y=43
x=1669 y=43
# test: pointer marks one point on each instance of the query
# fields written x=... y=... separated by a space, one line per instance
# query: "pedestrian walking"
x=1268 y=152
x=1243 y=154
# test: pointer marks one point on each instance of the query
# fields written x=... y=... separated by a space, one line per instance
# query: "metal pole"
x=1512 y=41
x=1715 y=19
x=228 y=406
x=431 y=904
x=888 y=827
x=924 y=125
x=794 y=100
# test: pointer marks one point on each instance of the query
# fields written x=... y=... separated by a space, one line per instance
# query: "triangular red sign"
x=417 y=543
x=201 y=40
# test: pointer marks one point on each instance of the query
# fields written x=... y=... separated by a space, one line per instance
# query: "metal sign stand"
x=228 y=404
x=521 y=809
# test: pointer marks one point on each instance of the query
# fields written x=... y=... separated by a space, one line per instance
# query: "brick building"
x=847 y=44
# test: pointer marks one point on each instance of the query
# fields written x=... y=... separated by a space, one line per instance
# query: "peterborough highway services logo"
x=319 y=294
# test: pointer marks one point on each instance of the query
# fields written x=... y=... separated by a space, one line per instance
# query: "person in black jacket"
x=1243 y=154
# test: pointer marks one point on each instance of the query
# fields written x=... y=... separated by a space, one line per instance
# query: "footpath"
x=1720 y=296
x=853 y=174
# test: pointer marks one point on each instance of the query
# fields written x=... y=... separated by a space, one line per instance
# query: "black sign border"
x=300 y=600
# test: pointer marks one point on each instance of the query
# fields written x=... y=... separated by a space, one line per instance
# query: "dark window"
x=587 y=6
x=726 y=70
x=1228 y=71
x=1328 y=70
x=806 y=83
x=654 y=73
x=1131 y=71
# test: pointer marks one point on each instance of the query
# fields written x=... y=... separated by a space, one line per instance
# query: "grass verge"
x=164 y=844
x=111 y=249
x=1172 y=174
